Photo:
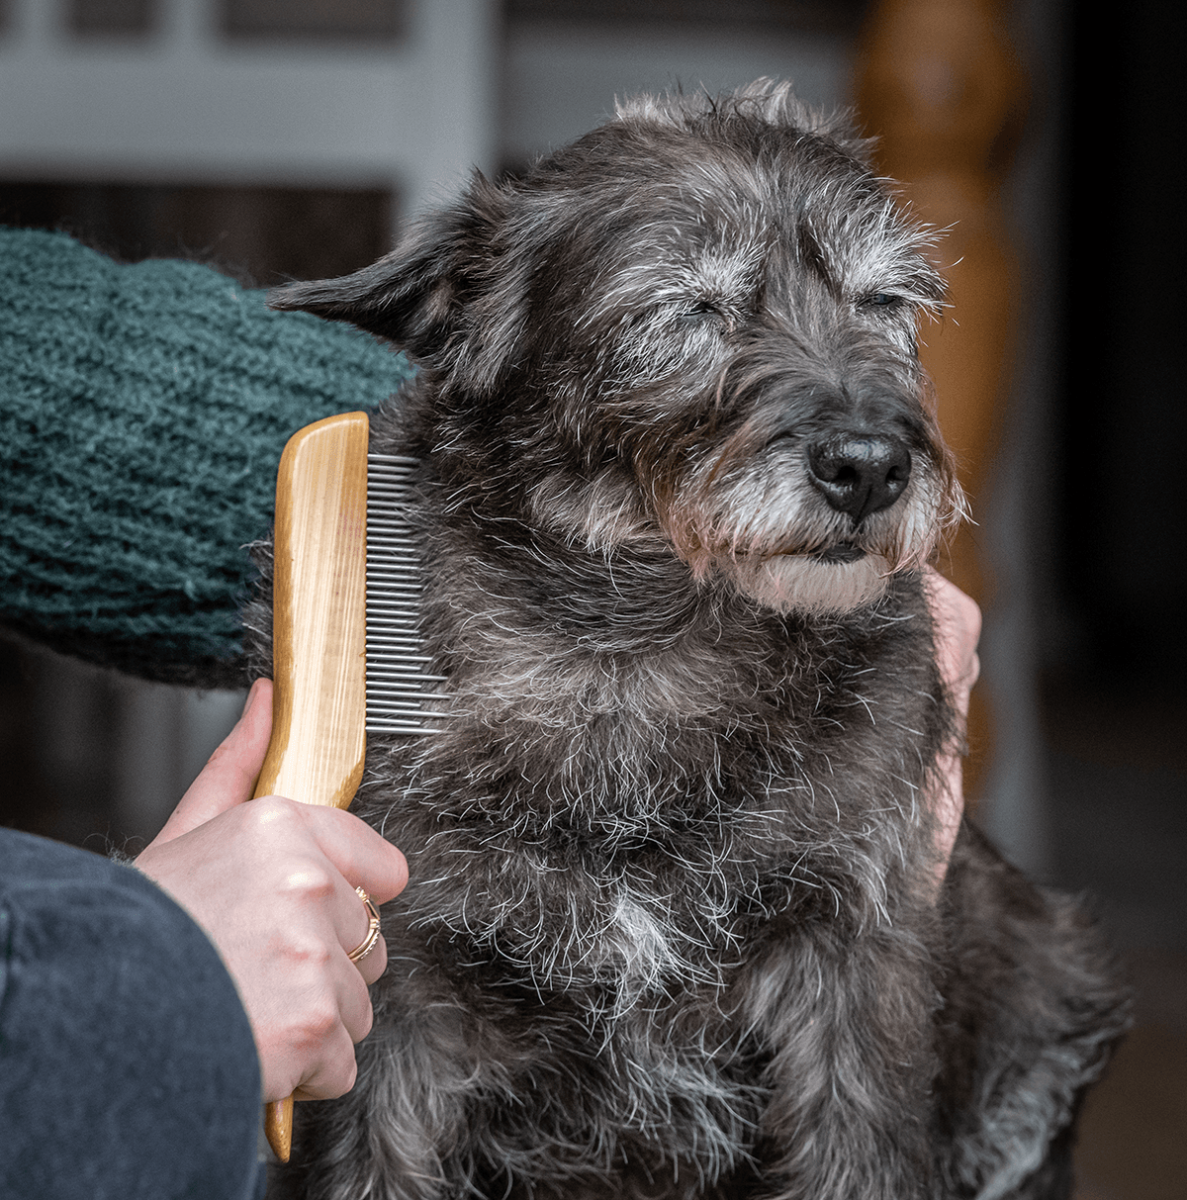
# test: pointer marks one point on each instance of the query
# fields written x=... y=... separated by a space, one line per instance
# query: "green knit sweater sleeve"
x=143 y=410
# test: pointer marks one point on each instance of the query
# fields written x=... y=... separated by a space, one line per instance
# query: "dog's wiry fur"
x=670 y=930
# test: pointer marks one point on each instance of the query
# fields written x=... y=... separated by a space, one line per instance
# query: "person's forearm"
x=143 y=414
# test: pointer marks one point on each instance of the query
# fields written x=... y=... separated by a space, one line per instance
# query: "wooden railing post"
x=937 y=85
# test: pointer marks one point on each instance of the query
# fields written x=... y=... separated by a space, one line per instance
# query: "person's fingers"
x=956 y=621
x=231 y=772
x=356 y=852
x=308 y=1001
x=273 y=883
x=948 y=810
x=363 y=857
x=355 y=1007
x=957 y=618
x=327 y=1036
x=335 y=1071
x=307 y=1049
x=324 y=887
x=374 y=965
x=340 y=850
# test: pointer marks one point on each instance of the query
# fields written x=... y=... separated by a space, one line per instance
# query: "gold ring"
x=372 y=939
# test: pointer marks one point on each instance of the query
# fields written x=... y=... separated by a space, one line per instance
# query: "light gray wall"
x=561 y=79
x=184 y=104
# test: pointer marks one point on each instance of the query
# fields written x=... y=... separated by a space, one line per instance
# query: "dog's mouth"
x=842 y=552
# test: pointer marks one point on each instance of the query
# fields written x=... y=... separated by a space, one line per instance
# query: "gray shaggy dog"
x=671 y=930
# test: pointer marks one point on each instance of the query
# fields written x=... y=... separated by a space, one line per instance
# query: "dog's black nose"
x=860 y=473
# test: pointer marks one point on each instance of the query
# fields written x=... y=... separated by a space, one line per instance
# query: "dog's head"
x=696 y=323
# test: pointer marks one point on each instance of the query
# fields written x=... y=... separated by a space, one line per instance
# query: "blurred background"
x=291 y=138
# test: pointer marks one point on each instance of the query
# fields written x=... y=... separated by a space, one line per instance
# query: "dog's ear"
x=431 y=296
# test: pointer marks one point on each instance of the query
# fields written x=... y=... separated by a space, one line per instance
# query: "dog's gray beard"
x=767 y=530
x=764 y=530
x=752 y=515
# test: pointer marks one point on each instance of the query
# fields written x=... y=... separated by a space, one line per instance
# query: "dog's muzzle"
x=859 y=473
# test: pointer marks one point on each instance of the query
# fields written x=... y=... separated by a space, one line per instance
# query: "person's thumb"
x=230 y=773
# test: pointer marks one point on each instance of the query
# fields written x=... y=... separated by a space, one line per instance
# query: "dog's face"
x=696 y=324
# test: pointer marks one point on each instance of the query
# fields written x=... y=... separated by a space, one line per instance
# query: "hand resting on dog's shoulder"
x=272 y=884
x=957 y=620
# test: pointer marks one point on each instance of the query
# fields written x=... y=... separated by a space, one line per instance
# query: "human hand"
x=272 y=884
x=957 y=620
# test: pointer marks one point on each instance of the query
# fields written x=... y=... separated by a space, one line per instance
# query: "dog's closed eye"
x=702 y=310
x=886 y=300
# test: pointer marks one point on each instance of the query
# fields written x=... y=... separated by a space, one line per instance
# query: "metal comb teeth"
x=402 y=697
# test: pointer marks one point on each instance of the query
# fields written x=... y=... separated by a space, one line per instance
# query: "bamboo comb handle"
x=318 y=636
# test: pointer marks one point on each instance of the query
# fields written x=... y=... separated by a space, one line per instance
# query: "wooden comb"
x=318 y=636
x=347 y=657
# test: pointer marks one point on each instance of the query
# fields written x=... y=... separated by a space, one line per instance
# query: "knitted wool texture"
x=143 y=411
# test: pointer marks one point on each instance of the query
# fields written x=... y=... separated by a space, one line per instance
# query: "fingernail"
x=253 y=696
